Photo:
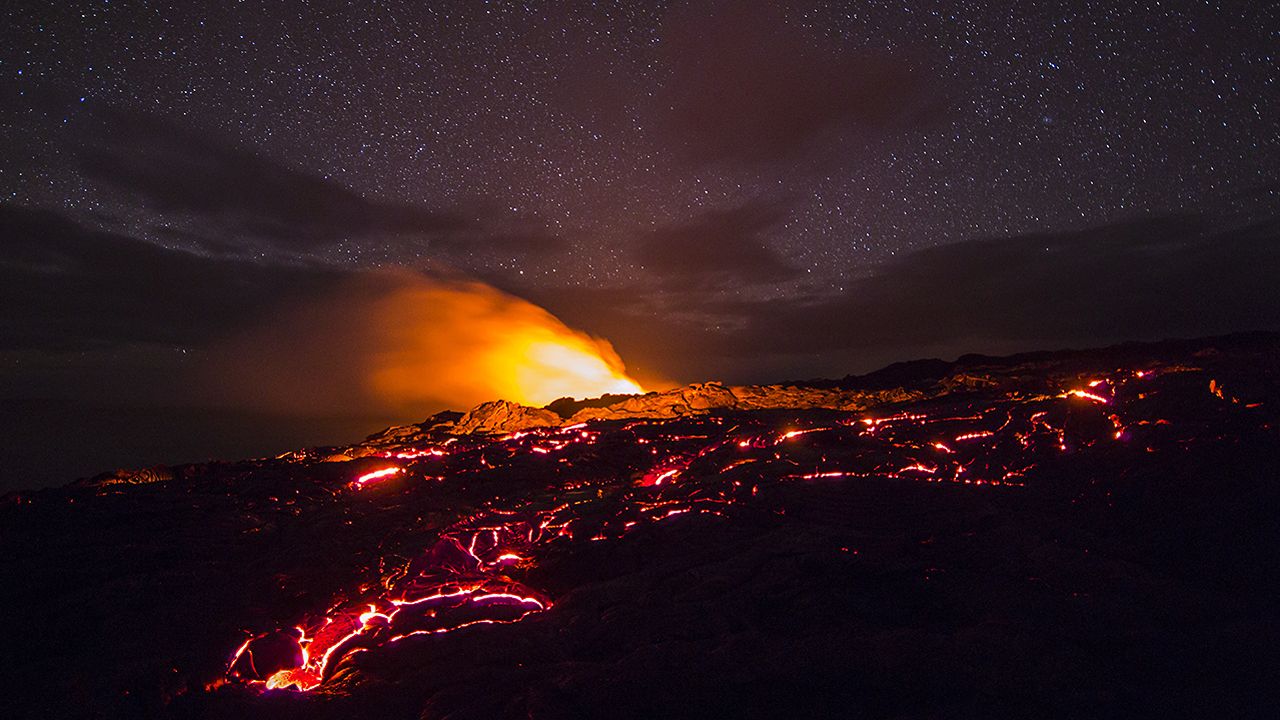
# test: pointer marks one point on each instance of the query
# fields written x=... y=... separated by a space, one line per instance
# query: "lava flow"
x=474 y=570
x=934 y=535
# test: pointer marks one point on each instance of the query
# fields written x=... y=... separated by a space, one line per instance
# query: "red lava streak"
x=471 y=573
x=375 y=475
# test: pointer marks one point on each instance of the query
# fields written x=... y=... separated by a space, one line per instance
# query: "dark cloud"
x=240 y=198
x=750 y=83
x=98 y=317
x=172 y=169
x=67 y=287
x=717 y=248
x=695 y=267
x=1145 y=279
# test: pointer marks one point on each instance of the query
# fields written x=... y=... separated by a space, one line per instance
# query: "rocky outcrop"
x=900 y=383
x=703 y=397
x=696 y=399
x=687 y=400
x=398 y=437
x=504 y=416
x=125 y=476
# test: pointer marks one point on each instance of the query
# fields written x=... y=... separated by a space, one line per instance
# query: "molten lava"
x=931 y=535
x=472 y=572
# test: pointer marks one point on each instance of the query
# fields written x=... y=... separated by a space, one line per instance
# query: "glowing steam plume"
x=399 y=343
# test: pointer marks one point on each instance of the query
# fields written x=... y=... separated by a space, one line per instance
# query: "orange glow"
x=375 y=475
x=406 y=345
x=475 y=343
x=567 y=366
x=300 y=678
x=470 y=573
x=1086 y=395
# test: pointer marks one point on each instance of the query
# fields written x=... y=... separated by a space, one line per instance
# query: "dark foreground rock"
x=1084 y=534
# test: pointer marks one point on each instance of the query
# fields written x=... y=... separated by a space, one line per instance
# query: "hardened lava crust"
x=1081 y=533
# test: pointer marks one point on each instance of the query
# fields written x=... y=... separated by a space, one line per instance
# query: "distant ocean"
x=45 y=443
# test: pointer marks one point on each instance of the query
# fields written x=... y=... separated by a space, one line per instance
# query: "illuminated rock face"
x=501 y=416
x=978 y=538
x=696 y=399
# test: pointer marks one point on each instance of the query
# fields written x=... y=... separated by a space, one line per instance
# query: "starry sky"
x=733 y=190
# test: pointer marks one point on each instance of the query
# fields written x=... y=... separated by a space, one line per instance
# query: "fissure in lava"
x=475 y=571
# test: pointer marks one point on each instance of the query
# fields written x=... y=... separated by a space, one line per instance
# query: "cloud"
x=238 y=197
x=101 y=317
x=405 y=344
x=717 y=248
x=1144 y=279
x=69 y=290
x=172 y=169
x=66 y=287
x=1149 y=279
x=749 y=83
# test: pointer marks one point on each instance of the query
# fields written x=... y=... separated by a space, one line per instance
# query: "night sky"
x=725 y=191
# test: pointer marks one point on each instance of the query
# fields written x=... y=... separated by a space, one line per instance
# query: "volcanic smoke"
x=403 y=343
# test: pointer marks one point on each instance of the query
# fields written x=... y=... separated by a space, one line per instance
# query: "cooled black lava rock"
x=1071 y=534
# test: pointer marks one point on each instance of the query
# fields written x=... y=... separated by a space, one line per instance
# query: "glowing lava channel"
x=462 y=579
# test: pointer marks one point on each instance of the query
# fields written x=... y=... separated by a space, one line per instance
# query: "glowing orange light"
x=1086 y=395
x=919 y=467
x=470 y=572
x=496 y=346
x=375 y=475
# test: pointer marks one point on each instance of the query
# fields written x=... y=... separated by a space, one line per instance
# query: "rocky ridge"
x=504 y=416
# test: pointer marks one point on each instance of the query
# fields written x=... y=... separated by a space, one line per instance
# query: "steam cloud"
x=400 y=343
